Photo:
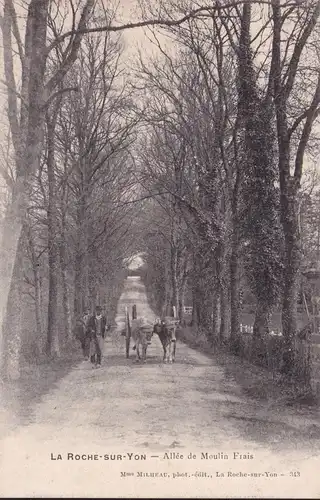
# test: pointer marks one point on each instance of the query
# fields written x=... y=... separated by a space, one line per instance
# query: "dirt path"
x=150 y=409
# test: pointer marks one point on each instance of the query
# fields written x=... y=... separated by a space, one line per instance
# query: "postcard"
x=160 y=249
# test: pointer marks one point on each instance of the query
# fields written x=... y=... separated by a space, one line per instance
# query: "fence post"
x=134 y=311
x=128 y=332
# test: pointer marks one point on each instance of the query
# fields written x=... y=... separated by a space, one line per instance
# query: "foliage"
x=260 y=215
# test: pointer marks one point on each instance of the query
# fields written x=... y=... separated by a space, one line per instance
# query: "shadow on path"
x=20 y=397
x=263 y=413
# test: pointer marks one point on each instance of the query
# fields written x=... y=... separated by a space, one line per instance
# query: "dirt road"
x=193 y=406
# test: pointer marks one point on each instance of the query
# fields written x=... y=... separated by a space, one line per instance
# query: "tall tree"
x=293 y=136
x=260 y=214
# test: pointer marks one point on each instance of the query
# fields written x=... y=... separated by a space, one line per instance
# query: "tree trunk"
x=181 y=304
x=216 y=314
x=81 y=261
x=85 y=271
x=38 y=300
x=12 y=325
x=53 y=347
x=225 y=314
x=260 y=333
x=182 y=291
x=235 y=287
x=262 y=320
x=37 y=285
x=166 y=298
x=291 y=279
x=195 y=312
x=174 y=277
x=93 y=298
x=38 y=306
x=195 y=320
x=223 y=280
x=168 y=290
x=67 y=315
x=11 y=278
x=78 y=280
x=67 y=318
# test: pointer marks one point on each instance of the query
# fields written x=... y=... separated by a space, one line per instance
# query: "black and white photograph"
x=160 y=249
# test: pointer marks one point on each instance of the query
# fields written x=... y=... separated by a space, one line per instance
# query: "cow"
x=166 y=329
x=141 y=334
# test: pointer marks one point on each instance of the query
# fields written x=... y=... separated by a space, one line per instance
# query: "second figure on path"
x=96 y=328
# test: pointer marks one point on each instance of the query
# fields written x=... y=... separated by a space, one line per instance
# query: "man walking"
x=96 y=328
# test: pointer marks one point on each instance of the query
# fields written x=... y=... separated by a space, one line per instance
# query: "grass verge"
x=257 y=382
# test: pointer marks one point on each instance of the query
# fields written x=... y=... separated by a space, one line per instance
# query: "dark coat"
x=92 y=326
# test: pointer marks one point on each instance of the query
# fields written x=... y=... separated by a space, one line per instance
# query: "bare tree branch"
x=218 y=6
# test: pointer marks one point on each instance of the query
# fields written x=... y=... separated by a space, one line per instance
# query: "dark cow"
x=166 y=330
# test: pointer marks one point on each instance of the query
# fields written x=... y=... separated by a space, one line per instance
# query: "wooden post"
x=134 y=311
x=174 y=311
x=128 y=332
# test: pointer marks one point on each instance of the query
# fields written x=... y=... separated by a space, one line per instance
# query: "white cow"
x=141 y=333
